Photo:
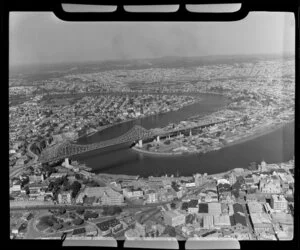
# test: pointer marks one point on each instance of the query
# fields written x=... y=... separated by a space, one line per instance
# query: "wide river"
x=276 y=146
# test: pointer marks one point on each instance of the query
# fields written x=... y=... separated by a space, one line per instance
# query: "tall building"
x=278 y=202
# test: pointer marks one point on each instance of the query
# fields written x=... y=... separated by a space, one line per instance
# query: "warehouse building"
x=174 y=218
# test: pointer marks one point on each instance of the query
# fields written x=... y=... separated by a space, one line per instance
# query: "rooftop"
x=260 y=218
x=278 y=198
x=173 y=213
x=203 y=208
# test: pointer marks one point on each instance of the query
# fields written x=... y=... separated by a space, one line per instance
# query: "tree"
x=80 y=210
x=93 y=184
x=94 y=215
x=173 y=205
x=78 y=221
x=66 y=184
x=50 y=222
x=25 y=181
x=62 y=210
x=27 y=190
x=72 y=215
x=57 y=226
x=75 y=187
x=170 y=231
x=167 y=142
x=111 y=210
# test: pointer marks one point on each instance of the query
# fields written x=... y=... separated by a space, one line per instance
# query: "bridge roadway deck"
x=68 y=149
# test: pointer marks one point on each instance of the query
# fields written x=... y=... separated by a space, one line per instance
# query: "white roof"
x=278 y=198
x=221 y=220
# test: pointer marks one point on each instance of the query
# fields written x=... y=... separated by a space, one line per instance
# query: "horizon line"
x=289 y=53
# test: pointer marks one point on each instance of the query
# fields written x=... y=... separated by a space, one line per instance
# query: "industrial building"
x=261 y=222
x=222 y=221
x=214 y=208
x=174 y=218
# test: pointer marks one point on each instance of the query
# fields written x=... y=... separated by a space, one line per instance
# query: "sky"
x=44 y=38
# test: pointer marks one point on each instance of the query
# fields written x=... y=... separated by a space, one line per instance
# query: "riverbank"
x=258 y=132
x=102 y=128
x=269 y=128
x=135 y=148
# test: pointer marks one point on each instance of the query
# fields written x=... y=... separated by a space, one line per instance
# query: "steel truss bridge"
x=68 y=149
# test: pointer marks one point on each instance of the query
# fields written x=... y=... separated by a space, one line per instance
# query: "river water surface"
x=276 y=146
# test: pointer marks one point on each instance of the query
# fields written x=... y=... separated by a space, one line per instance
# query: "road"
x=81 y=206
x=247 y=216
x=71 y=206
x=35 y=233
x=18 y=170
x=149 y=216
x=34 y=159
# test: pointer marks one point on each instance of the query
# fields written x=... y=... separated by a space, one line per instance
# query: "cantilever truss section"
x=67 y=149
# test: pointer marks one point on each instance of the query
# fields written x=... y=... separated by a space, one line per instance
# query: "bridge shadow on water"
x=108 y=157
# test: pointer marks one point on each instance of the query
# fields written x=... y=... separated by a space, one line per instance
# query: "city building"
x=111 y=197
x=214 y=208
x=15 y=188
x=64 y=198
x=203 y=208
x=79 y=232
x=200 y=179
x=141 y=229
x=174 y=218
x=261 y=222
x=255 y=207
x=271 y=186
x=193 y=206
x=130 y=192
x=208 y=222
x=104 y=195
x=151 y=196
x=278 y=202
x=131 y=234
x=232 y=178
x=57 y=175
x=36 y=178
x=221 y=221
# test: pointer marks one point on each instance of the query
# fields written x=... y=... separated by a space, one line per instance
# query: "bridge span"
x=135 y=134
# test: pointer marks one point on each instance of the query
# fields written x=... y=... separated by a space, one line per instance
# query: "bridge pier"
x=67 y=162
x=140 y=143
